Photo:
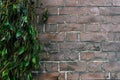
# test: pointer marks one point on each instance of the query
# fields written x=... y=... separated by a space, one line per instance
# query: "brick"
x=70 y=27
x=110 y=27
x=73 y=66
x=112 y=66
x=52 y=10
x=94 y=11
x=105 y=11
x=60 y=36
x=116 y=2
x=55 y=19
x=48 y=76
x=68 y=10
x=94 y=2
x=93 y=76
x=51 y=67
x=111 y=56
x=115 y=75
x=71 y=18
x=71 y=3
x=65 y=55
x=110 y=46
x=93 y=56
x=53 y=2
x=94 y=37
x=113 y=36
x=50 y=28
x=115 y=19
x=94 y=19
x=95 y=66
x=92 y=27
x=109 y=11
x=73 y=76
x=71 y=45
x=52 y=36
x=72 y=36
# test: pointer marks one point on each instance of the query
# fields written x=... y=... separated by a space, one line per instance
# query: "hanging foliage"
x=19 y=46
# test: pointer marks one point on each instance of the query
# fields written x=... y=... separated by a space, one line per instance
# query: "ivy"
x=19 y=45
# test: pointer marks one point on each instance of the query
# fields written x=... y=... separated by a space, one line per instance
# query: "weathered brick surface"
x=81 y=39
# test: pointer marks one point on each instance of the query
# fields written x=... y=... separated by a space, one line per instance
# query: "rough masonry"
x=81 y=39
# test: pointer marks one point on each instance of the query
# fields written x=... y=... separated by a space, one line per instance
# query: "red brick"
x=53 y=2
x=73 y=66
x=91 y=56
x=55 y=19
x=70 y=27
x=92 y=76
x=48 y=76
x=94 y=2
x=52 y=36
x=92 y=27
x=94 y=19
x=95 y=37
x=94 y=66
x=68 y=10
x=72 y=36
x=110 y=27
x=50 y=28
x=52 y=10
x=51 y=67
x=71 y=3
x=112 y=66
x=71 y=18
x=64 y=55
x=73 y=76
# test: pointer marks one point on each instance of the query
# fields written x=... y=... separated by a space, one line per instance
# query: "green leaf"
x=4 y=52
x=25 y=19
x=21 y=50
x=34 y=60
x=18 y=34
x=5 y=73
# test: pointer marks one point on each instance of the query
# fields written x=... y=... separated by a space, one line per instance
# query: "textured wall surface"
x=81 y=39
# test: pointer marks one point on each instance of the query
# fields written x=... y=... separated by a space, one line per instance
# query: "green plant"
x=19 y=45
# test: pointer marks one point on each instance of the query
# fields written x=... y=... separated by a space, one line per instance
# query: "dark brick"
x=93 y=76
x=65 y=55
x=73 y=66
x=110 y=46
x=51 y=28
x=95 y=66
x=72 y=36
x=93 y=56
x=94 y=37
x=73 y=76
x=70 y=27
x=51 y=67
x=112 y=66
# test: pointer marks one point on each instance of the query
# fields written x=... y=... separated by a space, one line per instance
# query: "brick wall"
x=81 y=39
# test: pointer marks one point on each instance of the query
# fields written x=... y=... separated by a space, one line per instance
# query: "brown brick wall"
x=81 y=40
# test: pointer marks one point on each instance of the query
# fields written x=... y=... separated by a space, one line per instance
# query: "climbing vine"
x=19 y=45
